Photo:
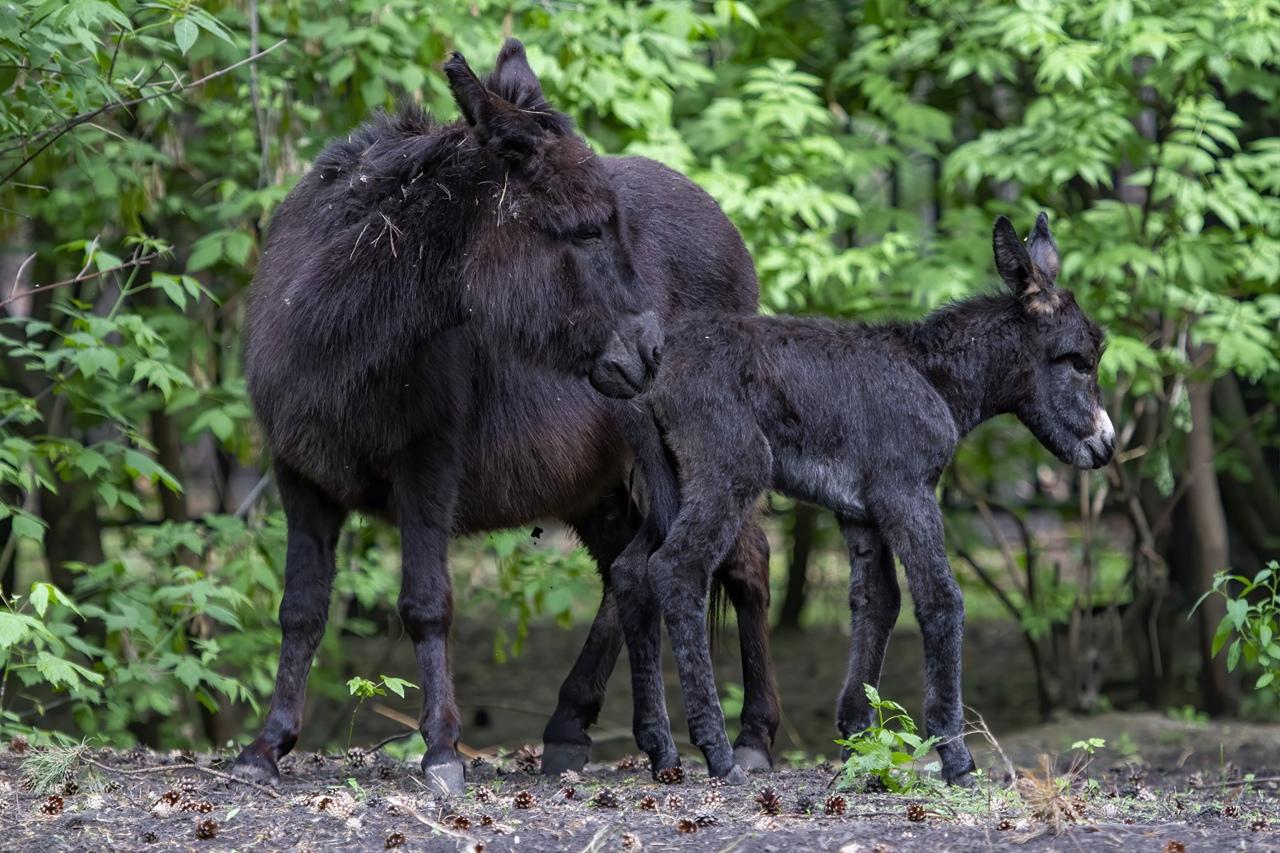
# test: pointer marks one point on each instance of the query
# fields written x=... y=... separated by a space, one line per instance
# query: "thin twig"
x=17 y=278
x=72 y=123
x=136 y=262
x=1236 y=783
x=144 y=771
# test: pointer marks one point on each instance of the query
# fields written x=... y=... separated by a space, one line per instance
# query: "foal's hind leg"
x=745 y=577
x=605 y=532
x=874 y=602
x=314 y=522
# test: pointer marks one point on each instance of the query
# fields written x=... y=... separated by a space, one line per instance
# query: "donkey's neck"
x=971 y=353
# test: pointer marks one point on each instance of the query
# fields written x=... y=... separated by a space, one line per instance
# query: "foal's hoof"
x=962 y=780
x=735 y=776
x=751 y=759
x=559 y=757
x=447 y=779
x=256 y=765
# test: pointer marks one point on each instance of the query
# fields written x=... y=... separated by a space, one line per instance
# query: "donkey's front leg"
x=911 y=524
x=314 y=522
x=874 y=602
x=425 y=495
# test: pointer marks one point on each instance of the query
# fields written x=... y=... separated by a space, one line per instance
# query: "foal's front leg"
x=425 y=493
x=314 y=522
x=874 y=602
x=911 y=524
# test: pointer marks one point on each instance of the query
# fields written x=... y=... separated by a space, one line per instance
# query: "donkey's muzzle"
x=629 y=362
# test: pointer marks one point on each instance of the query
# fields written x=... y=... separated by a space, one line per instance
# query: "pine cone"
x=486 y=820
x=684 y=826
x=1259 y=824
x=524 y=800
x=394 y=840
x=570 y=777
x=188 y=788
x=835 y=805
x=804 y=804
x=712 y=800
x=626 y=762
x=1004 y=825
x=1231 y=810
x=357 y=757
x=769 y=801
x=19 y=745
x=671 y=775
x=630 y=841
x=528 y=759
x=1174 y=846
x=484 y=796
x=459 y=822
x=915 y=812
x=196 y=807
x=675 y=802
x=648 y=803
x=207 y=829
x=71 y=787
x=605 y=798
x=705 y=820
x=149 y=837
x=52 y=805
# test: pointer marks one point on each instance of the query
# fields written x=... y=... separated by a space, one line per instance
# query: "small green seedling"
x=1090 y=746
x=363 y=689
x=887 y=748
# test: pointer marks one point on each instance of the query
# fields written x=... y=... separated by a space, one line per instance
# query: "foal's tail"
x=657 y=468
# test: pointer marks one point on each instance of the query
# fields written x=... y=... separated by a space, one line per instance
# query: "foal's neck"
x=971 y=353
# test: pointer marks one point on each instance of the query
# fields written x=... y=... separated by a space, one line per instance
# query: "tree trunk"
x=1209 y=548
x=804 y=518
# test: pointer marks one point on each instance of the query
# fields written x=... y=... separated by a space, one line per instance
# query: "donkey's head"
x=547 y=257
x=1059 y=400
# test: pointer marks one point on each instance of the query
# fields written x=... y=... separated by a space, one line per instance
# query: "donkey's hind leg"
x=605 y=532
x=874 y=602
x=314 y=522
x=745 y=577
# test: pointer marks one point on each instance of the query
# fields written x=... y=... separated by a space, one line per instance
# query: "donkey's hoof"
x=559 y=757
x=965 y=779
x=448 y=779
x=735 y=776
x=254 y=765
x=751 y=759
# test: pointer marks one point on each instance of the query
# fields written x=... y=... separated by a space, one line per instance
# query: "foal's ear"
x=514 y=81
x=1029 y=281
x=1042 y=249
x=1012 y=261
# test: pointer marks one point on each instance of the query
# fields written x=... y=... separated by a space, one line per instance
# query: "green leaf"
x=28 y=527
x=184 y=34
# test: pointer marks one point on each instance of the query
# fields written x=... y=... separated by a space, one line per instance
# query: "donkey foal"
x=861 y=420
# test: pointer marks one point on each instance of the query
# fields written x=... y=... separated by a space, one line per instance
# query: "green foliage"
x=363 y=688
x=1250 y=630
x=888 y=748
x=1090 y=745
x=862 y=149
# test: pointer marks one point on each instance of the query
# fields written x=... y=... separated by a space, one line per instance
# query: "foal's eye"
x=1078 y=362
x=585 y=234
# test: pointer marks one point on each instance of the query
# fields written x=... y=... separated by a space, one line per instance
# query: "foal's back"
x=841 y=407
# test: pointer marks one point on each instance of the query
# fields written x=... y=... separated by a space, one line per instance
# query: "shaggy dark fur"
x=861 y=420
x=429 y=299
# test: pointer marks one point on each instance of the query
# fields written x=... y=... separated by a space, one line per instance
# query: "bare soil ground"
x=1188 y=791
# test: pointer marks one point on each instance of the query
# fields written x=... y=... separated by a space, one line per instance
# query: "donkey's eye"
x=585 y=234
x=1078 y=362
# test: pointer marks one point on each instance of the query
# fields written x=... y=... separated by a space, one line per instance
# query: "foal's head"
x=1056 y=392
x=551 y=263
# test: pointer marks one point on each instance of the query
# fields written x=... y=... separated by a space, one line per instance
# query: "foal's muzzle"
x=1096 y=450
x=629 y=362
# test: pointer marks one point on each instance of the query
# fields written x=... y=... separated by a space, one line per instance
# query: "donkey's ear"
x=1042 y=249
x=1012 y=261
x=513 y=80
x=471 y=96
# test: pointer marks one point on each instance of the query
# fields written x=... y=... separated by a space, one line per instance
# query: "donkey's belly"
x=542 y=446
